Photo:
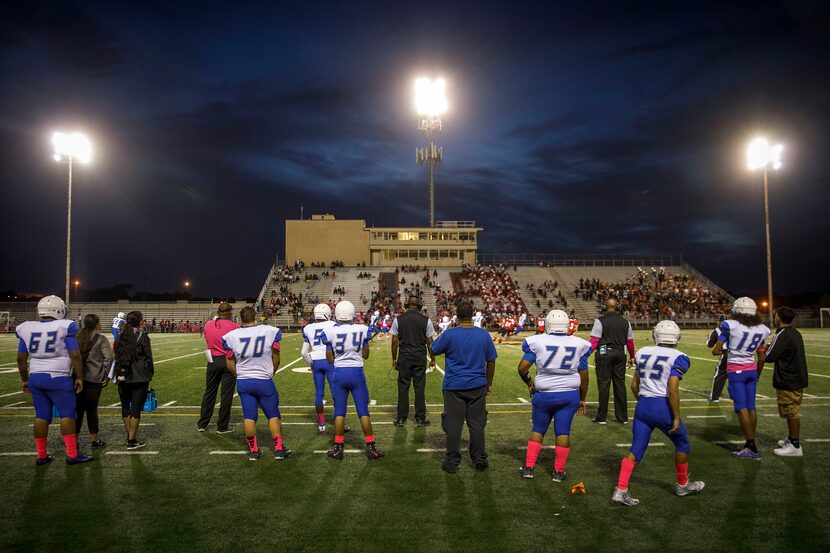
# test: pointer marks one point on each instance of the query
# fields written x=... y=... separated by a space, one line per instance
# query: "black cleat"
x=526 y=472
x=80 y=458
x=399 y=422
x=254 y=455
x=336 y=452
x=449 y=468
x=96 y=444
x=372 y=452
x=282 y=454
x=481 y=467
x=135 y=444
x=422 y=422
x=347 y=429
x=45 y=461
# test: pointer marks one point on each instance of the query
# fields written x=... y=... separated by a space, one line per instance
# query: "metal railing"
x=580 y=260
x=455 y=224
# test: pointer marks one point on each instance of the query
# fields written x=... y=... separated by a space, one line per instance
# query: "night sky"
x=573 y=127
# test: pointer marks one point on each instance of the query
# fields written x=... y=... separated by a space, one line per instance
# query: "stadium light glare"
x=72 y=145
x=430 y=96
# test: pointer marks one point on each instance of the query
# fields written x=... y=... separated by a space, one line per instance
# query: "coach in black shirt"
x=610 y=337
x=412 y=334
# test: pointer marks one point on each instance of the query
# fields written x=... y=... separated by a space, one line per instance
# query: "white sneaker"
x=321 y=428
x=691 y=488
x=784 y=442
x=621 y=497
x=789 y=450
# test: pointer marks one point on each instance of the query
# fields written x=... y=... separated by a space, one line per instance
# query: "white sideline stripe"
x=12 y=393
x=115 y=405
x=821 y=375
x=440 y=370
x=131 y=453
x=9 y=371
x=809 y=395
x=344 y=451
x=762 y=396
x=431 y=450
x=657 y=444
x=543 y=447
x=179 y=357
x=817 y=440
x=15 y=453
x=15 y=404
x=169 y=403
x=817 y=355
x=235 y=396
x=523 y=400
x=728 y=442
x=226 y=452
x=706 y=417
x=288 y=365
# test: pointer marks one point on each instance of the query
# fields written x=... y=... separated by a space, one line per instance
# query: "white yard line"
x=440 y=370
x=543 y=447
x=14 y=404
x=288 y=365
x=137 y=452
x=728 y=442
x=344 y=451
x=821 y=375
x=522 y=400
x=817 y=355
x=225 y=452
x=657 y=444
x=705 y=417
x=12 y=393
x=17 y=453
x=169 y=403
x=431 y=450
x=817 y=440
x=179 y=357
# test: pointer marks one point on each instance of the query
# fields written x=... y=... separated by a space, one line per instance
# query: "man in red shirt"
x=217 y=371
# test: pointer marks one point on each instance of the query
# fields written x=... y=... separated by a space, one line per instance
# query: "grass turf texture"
x=185 y=499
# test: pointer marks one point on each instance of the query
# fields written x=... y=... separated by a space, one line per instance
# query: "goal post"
x=822 y=313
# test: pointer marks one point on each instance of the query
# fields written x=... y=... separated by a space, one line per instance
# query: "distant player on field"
x=253 y=353
x=52 y=372
x=347 y=345
x=742 y=339
x=478 y=320
x=444 y=324
x=314 y=353
x=558 y=391
x=660 y=368
x=117 y=323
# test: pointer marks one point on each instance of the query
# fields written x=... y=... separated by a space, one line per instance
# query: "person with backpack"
x=97 y=356
x=133 y=373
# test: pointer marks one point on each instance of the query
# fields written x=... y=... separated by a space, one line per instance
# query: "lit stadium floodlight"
x=760 y=154
x=430 y=103
x=70 y=147
x=73 y=146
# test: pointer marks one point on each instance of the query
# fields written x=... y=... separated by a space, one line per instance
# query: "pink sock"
x=277 y=442
x=370 y=439
x=40 y=446
x=533 y=449
x=338 y=439
x=252 y=445
x=560 y=455
x=682 y=473
x=71 y=441
x=321 y=418
x=626 y=468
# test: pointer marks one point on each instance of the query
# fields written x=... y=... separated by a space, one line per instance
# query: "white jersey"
x=478 y=320
x=742 y=341
x=655 y=365
x=313 y=335
x=117 y=322
x=347 y=342
x=442 y=326
x=48 y=344
x=558 y=359
x=373 y=320
x=252 y=345
x=522 y=320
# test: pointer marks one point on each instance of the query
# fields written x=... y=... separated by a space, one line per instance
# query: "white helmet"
x=557 y=321
x=377 y=313
x=666 y=332
x=322 y=312
x=51 y=306
x=744 y=306
x=344 y=311
x=446 y=319
x=478 y=314
x=120 y=314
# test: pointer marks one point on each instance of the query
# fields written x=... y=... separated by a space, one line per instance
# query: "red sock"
x=40 y=446
x=626 y=468
x=370 y=439
x=338 y=439
x=533 y=449
x=252 y=445
x=71 y=441
x=277 y=442
x=682 y=473
x=560 y=455
x=321 y=418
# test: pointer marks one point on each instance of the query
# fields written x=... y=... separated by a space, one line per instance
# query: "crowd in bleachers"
x=168 y=326
x=365 y=276
x=548 y=295
x=657 y=293
x=497 y=291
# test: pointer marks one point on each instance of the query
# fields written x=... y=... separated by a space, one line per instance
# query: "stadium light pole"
x=760 y=154
x=70 y=147
x=430 y=103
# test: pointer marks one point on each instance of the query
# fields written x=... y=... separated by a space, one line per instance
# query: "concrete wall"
x=326 y=240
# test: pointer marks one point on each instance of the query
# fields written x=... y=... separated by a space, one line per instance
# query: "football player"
x=478 y=319
x=573 y=326
x=52 y=372
x=540 y=324
x=444 y=324
x=660 y=368
x=521 y=325
x=117 y=323
x=314 y=353
x=742 y=338
x=558 y=392
x=347 y=345
x=253 y=353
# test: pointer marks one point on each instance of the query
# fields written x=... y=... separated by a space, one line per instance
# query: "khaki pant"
x=789 y=403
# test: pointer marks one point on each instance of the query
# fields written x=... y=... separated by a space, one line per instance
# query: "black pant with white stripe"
x=718 y=380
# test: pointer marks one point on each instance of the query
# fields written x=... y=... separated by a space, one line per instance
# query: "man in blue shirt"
x=470 y=362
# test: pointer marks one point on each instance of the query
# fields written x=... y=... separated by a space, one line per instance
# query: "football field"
x=189 y=491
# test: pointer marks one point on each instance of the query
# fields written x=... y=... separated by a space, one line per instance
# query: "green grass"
x=184 y=499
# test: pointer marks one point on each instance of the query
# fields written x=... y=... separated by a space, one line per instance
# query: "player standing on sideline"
x=478 y=320
x=117 y=323
x=217 y=372
x=789 y=378
x=53 y=348
x=347 y=345
x=743 y=336
x=314 y=353
x=660 y=368
x=719 y=378
x=253 y=353
x=540 y=324
x=559 y=390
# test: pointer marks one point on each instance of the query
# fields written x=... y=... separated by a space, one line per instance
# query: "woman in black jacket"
x=96 y=353
x=133 y=372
